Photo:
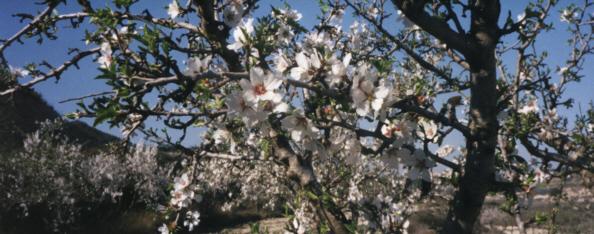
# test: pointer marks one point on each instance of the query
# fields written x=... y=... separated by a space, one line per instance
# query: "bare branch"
x=415 y=56
x=39 y=18
x=414 y=10
x=54 y=72
x=87 y=96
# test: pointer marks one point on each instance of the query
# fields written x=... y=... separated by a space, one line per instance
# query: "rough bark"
x=478 y=48
x=301 y=171
x=479 y=168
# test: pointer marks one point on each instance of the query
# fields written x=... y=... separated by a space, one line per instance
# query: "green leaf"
x=255 y=228
x=108 y=73
x=324 y=6
x=104 y=114
x=71 y=115
x=123 y=3
x=311 y=195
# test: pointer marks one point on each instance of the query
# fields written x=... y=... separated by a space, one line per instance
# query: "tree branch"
x=415 y=56
x=414 y=11
x=54 y=72
x=39 y=18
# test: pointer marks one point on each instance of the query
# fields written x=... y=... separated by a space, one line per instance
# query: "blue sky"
x=75 y=83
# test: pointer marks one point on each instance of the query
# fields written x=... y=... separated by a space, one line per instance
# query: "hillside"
x=21 y=112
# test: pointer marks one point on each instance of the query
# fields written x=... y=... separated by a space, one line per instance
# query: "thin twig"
x=87 y=96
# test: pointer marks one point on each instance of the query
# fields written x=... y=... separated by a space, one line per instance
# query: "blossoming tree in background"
x=346 y=124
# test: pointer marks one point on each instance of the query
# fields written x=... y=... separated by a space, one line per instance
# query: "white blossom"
x=192 y=220
x=521 y=16
x=338 y=70
x=336 y=18
x=427 y=130
x=563 y=70
x=163 y=229
x=196 y=65
x=284 y=34
x=367 y=97
x=241 y=34
x=244 y=109
x=291 y=14
x=105 y=59
x=381 y=93
x=233 y=13
x=224 y=136
x=281 y=62
x=418 y=164
x=173 y=9
x=299 y=126
x=568 y=15
x=373 y=12
x=307 y=66
x=445 y=150
x=530 y=107
x=403 y=19
x=359 y=37
x=317 y=40
x=18 y=72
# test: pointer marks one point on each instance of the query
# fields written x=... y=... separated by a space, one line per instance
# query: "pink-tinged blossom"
x=262 y=86
x=182 y=194
x=402 y=129
x=427 y=130
x=180 y=183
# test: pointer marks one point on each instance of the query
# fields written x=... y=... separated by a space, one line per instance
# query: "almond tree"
x=329 y=103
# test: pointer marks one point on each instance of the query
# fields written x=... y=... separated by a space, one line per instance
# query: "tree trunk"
x=301 y=171
x=479 y=169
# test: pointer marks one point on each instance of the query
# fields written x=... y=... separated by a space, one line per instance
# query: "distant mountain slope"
x=21 y=112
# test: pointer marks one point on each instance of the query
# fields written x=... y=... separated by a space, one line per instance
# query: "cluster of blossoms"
x=329 y=121
x=182 y=193
x=270 y=93
x=57 y=175
x=259 y=95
